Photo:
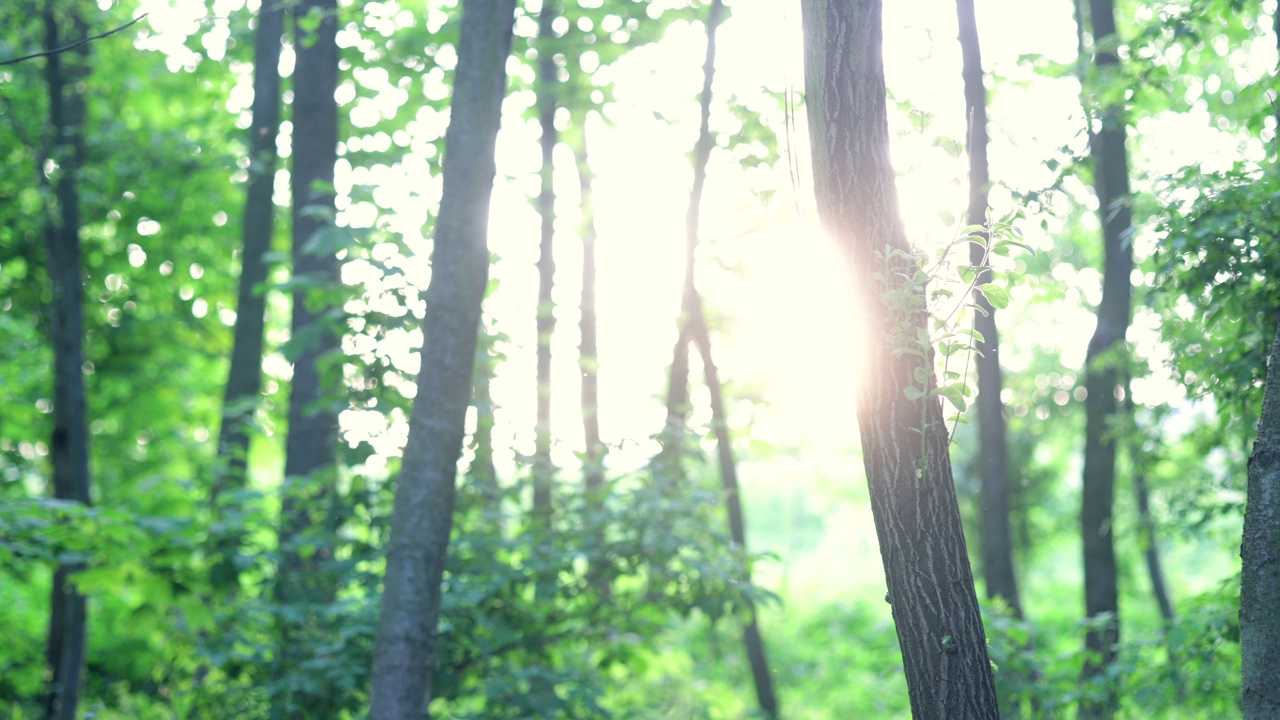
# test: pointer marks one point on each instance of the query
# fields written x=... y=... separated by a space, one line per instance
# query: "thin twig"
x=73 y=45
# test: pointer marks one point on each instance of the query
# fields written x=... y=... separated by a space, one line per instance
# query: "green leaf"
x=996 y=295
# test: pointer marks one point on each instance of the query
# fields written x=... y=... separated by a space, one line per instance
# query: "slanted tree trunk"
x=404 y=654
x=913 y=498
x=1260 y=555
x=1102 y=380
x=997 y=544
x=751 y=637
x=543 y=470
x=308 y=515
x=244 y=378
x=693 y=329
x=69 y=444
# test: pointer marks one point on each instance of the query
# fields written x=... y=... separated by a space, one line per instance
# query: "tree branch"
x=73 y=45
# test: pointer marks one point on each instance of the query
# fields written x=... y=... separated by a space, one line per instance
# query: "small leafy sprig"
x=951 y=290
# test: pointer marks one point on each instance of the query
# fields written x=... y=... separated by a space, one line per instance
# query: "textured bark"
x=69 y=444
x=404 y=654
x=997 y=545
x=1260 y=554
x=913 y=499
x=1102 y=378
x=308 y=514
x=543 y=470
x=588 y=356
x=244 y=378
x=752 y=639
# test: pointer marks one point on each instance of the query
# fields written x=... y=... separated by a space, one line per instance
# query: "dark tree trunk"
x=997 y=545
x=588 y=358
x=1102 y=379
x=404 y=655
x=543 y=470
x=751 y=636
x=1260 y=553
x=308 y=515
x=913 y=498
x=244 y=379
x=69 y=444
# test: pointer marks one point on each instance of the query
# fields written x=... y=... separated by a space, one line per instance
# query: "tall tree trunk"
x=404 y=654
x=752 y=639
x=904 y=441
x=69 y=444
x=1102 y=380
x=997 y=544
x=543 y=470
x=244 y=379
x=1260 y=554
x=307 y=514
x=669 y=463
x=588 y=355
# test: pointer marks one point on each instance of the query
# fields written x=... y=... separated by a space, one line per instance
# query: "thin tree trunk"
x=308 y=515
x=405 y=650
x=244 y=379
x=483 y=472
x=997 y=545
x=543 y=470
x=69 y=444
x=1260 y=554
x=751 y=636
x=905 y=443
x=669 y=463
x=1102 y=380
x=588 y=355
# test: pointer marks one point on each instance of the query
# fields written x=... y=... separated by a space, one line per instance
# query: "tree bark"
x=543 y=470
x=1260 y=554
x=997 y=546
x=404 y=654
x=244 y=378
x=1102 y=381
x=904 y=442
x=69 y=444
x=308 y=515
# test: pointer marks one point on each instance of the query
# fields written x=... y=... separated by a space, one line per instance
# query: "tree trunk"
x=997 y=545
x=543 y=470
x=904 y=441
x=308 y=515
x=404 y=654
x=669 y=463
x=244 y=379
x=751 y=636
x=483 y=472
x=588 y=356
x=1260 y=553
x=69 y=444
x=1102 y=381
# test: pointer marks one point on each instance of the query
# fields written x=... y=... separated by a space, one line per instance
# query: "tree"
x=997 y=545
x=404 y=653
x=309 y=490
x=69 y=444
x=543 y=470
x=1260 y=553
x=904 y=441
x=244 y=378
x=1103 y=380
